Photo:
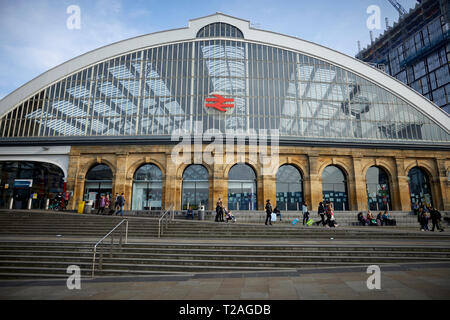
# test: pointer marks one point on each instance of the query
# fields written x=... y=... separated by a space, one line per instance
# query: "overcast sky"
x=35 y=36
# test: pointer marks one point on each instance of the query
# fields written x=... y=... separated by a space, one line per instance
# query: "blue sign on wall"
x=25 y=183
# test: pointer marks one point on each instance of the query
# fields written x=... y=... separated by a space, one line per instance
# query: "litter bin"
x=81 y=206
x=88 y=206
x=201 y=213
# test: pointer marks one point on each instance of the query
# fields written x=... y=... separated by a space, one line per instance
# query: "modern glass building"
x=344 y=131
x=416 y=51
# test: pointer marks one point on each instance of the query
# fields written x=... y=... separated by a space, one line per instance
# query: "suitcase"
x=310 y=222
x=295 y=221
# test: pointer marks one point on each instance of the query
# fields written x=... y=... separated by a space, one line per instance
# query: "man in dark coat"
x=268 y=212
x=436 y=219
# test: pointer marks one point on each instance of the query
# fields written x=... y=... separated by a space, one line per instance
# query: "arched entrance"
x=289 y=188
x=334 y=187
x=378 y=191
x=242 y=188
x=419 y=187
x=98 y=182
x=22 y=180
x=195 y=187
x=147 y=188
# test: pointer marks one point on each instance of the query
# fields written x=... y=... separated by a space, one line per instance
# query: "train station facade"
x=222 y=110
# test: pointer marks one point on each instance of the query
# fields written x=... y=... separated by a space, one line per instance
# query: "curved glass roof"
x=156 y=90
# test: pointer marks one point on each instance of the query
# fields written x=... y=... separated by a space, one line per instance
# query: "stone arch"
x=254 y=166
x=181 y=168
x=338 y=164
x=141 y=162
x=296 y=164
x=89 y=165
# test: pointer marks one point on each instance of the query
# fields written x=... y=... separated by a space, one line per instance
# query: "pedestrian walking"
x=101 y=205
x=120 y=203
x=305 y=212
x=331 y=220
x=116 y=203
x=268 y=212
x=436 y=219
x=321 y=213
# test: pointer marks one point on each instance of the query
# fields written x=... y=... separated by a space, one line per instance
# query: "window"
x=195 y=187
x=334 y=187
x=147 y=188
x=242 y=188
x=219 y=29
x=289 y=188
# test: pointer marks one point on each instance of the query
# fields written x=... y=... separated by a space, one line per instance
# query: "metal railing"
x=111 y=233
x=164 y=221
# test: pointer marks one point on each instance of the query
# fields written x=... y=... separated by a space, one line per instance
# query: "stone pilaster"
x=315 y=184
x=121 y=183
x=359 y=202
x=402 y=187
x=443 y=185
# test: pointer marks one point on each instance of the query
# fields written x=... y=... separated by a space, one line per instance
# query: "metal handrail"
x=112 y=242
x=168 y=213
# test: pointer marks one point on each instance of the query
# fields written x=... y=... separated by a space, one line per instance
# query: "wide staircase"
x=44 y=259
x=38 y=245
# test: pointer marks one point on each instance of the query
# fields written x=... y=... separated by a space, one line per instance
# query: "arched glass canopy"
x=156 y=90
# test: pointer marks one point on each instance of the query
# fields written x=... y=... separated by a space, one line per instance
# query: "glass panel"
x=195 y=187
x=419 y=187
x=289 y=188
x=378 y=192
x=242 y=188
x=334 y=188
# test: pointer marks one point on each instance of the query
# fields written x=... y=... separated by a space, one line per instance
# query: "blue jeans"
x=121 y=211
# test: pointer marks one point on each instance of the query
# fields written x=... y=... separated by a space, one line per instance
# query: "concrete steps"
x=69 y=224
x=45 y=259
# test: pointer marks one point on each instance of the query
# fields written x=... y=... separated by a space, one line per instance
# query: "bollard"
x=47 y=203
x=30 y=201
x=11 y=202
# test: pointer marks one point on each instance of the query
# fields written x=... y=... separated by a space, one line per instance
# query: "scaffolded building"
x=416 y=51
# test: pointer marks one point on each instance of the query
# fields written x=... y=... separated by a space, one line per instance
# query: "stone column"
x=120 y=179
x=402 y=186
x=315 y=182
x=443 y=185
x=218 y=185
x=72 y=182
x=359 y=186
x=170 y=189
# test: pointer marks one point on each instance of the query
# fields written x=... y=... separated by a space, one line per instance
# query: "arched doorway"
x=289 y=188
x=334 y=187
x=147 y=188
x=98 y=183
x=419 y=187
x=242 y=188
x=195 y=187
x=22 y=180
x=378 y=191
